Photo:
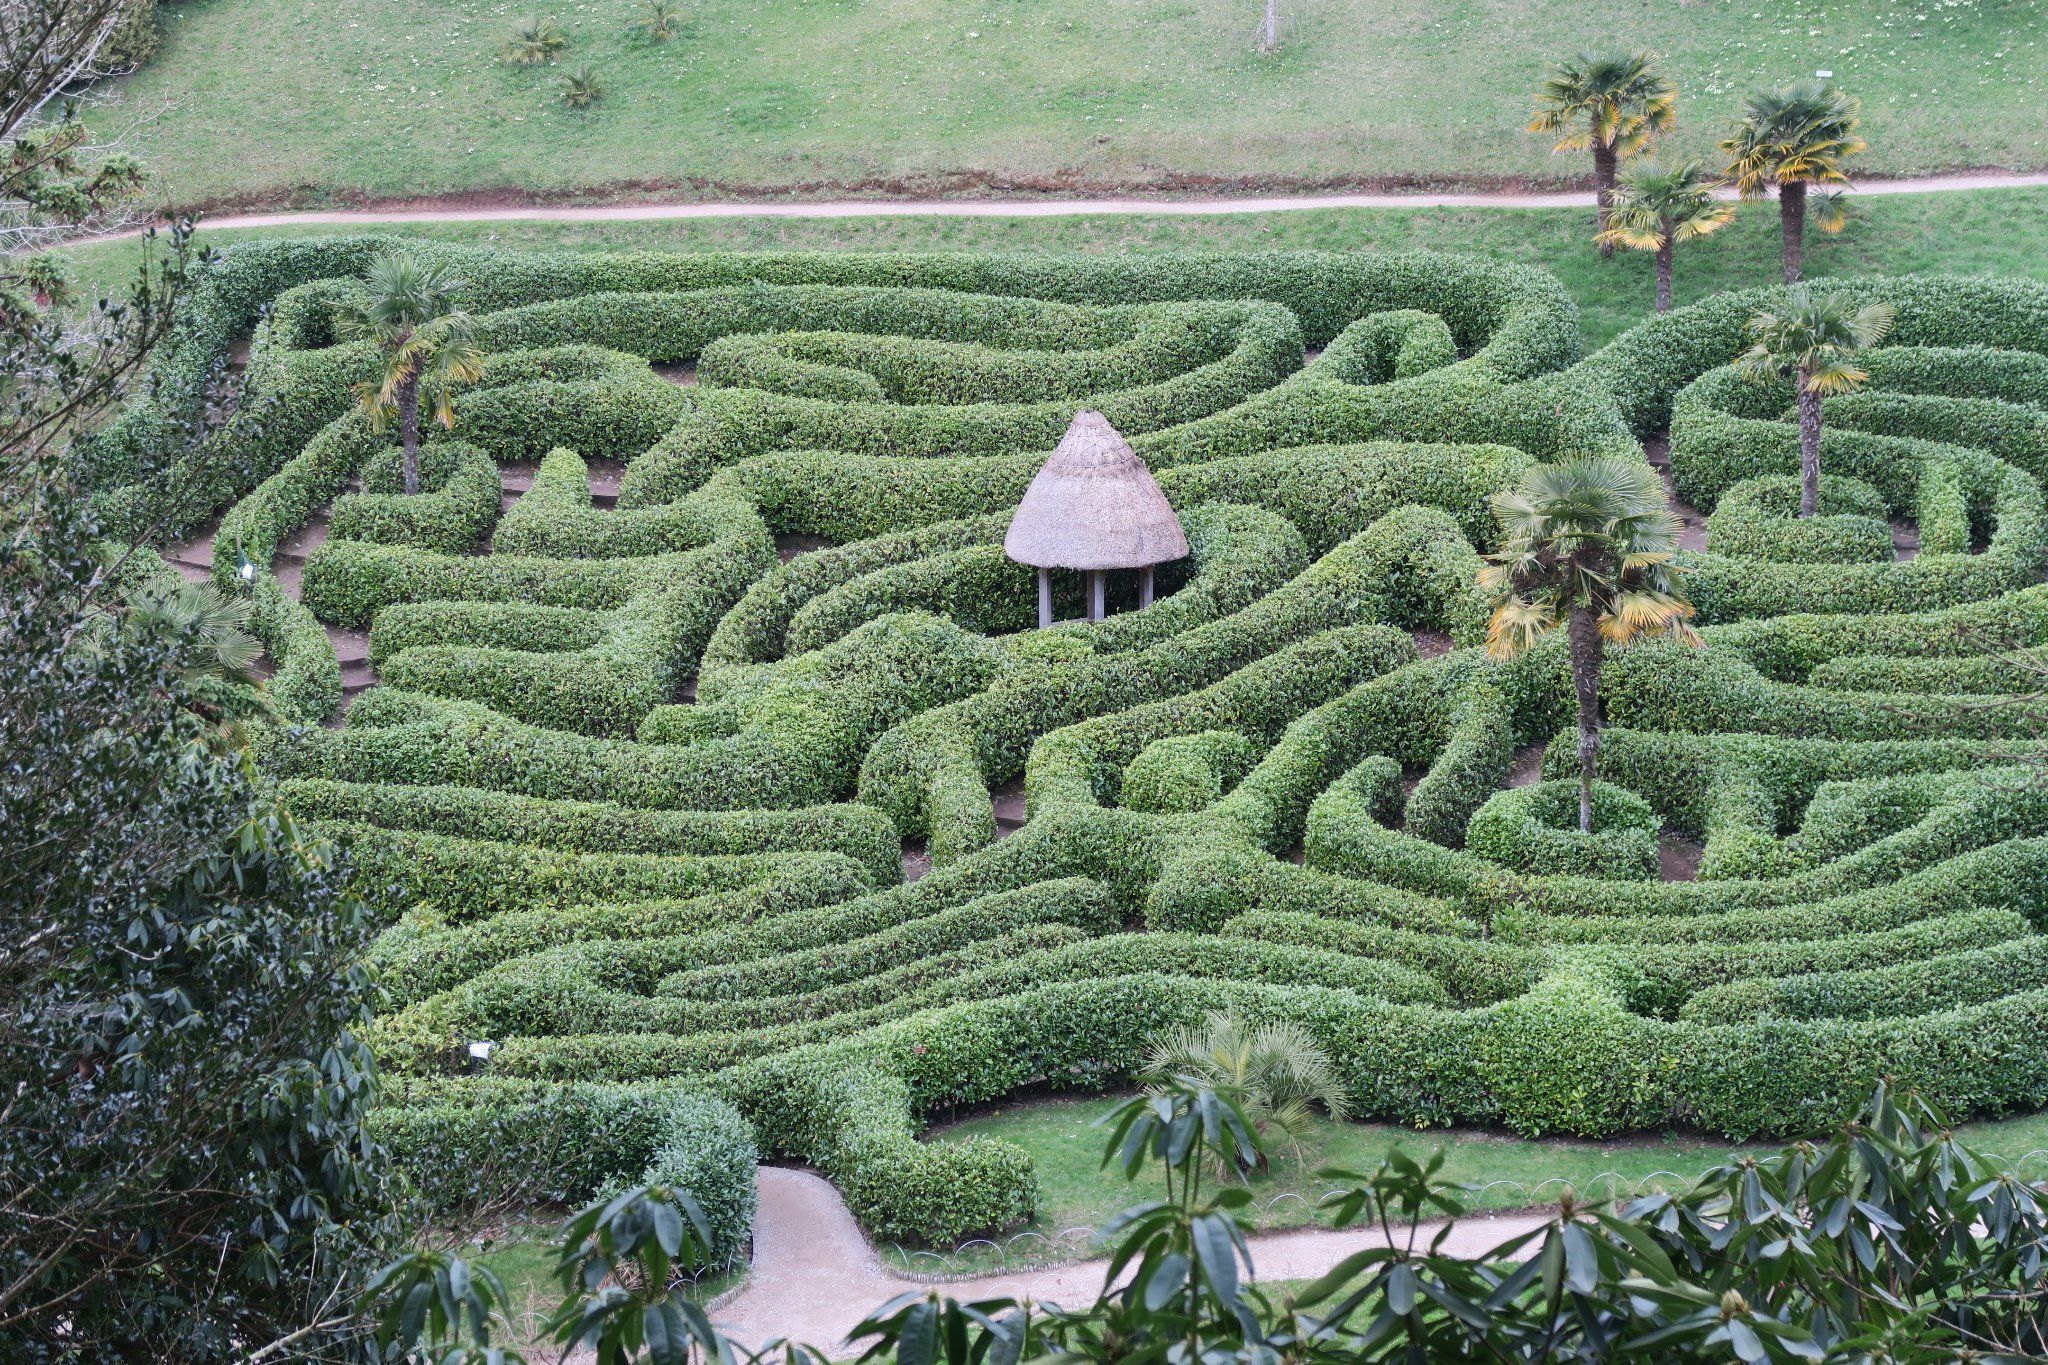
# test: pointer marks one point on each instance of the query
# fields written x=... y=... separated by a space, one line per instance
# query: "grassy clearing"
x=2002 y=232
x=1077 y=1197
x=292 y=99
x=521 y=1256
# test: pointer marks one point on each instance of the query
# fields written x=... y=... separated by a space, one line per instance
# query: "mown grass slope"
x=277 y=99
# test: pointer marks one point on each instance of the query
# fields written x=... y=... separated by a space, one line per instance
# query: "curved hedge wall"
x=653 y=767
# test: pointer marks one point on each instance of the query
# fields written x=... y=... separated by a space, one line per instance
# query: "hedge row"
x=540 y=1147
x=793 y=742
x=1409 y=565
x=1923 y=985
x=1515 y=322
x=466 y=879
x=946 y=349
x=457 y=502
x=858 y=832
x=1182 y=774
x=1536 y=829
x=1952 y=317
x=1566 y=1056
x=684 y=1038
x=589 y=985
x=1758 y=519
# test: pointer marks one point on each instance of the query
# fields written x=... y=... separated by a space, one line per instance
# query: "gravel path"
x=815 y=1276
x=1024 y=208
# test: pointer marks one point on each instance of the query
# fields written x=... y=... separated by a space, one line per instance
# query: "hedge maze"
x=634 y=790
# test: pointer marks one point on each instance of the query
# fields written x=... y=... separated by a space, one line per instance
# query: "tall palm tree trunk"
x=1604 y=162
x=1666 y=249
x=409 y=430
x=1809 y=446
x=1792 y=227
x=1582 y=632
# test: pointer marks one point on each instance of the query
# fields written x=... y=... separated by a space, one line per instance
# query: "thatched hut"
x=1094 y=506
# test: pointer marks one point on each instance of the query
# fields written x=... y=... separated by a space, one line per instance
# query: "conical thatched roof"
x=1094 y=505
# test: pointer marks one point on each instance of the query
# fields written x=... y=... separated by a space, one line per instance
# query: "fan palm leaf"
x=1275 y=1072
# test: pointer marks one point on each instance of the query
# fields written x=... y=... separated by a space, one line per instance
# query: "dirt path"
x=1022 y=208
x=815 y=1276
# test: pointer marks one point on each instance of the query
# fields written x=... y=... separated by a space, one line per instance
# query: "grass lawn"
x=1982 y=231
x=278 y=100
x=1077 y=1196
x=521 y=1256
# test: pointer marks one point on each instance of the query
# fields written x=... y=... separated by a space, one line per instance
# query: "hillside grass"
x=2001 y=232
x=275 y=100
x=1077 y=1196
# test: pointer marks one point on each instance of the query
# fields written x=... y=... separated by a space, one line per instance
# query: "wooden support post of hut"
x=1094 y=506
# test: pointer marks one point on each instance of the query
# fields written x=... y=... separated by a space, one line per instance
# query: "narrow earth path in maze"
x=815 y=1276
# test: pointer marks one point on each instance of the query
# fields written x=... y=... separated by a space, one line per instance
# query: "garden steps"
x=1678 y=858
x=604 y=481
x=916 y=862
x=789 y=547
x=1692 y=523
x=1527 y=769
x=195 y=553
x=1008 y=800
x=514 y=480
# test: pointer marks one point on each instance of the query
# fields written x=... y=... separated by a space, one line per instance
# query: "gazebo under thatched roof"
x=1094 y=506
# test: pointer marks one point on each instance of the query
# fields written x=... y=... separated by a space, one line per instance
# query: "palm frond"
x=1612 y=97
x=1799 y=134
x=1518 y=623
x=1835 y=377
x=1636 y=614
x=1595 y=533
x=1818 y=336
x=1828 y=210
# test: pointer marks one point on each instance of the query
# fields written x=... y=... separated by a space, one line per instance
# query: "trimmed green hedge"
x=611 y=877
x=1536 y=829
x=536 y=1147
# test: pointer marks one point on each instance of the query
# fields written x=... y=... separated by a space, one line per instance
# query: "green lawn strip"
x=523 y=1256
x=2001 y=232
x=289 y=98
x=1076 y=1196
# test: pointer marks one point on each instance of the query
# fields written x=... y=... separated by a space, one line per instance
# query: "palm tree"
x=1657 y=207
x=1275 y=1072
x=1611 y=102
x=1814 y=343
x=213 y=625
x=425 y=342
x=1795 y=138
x=533 y=42
x=581 y=88
x=1586 y=545
x=660 y=20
